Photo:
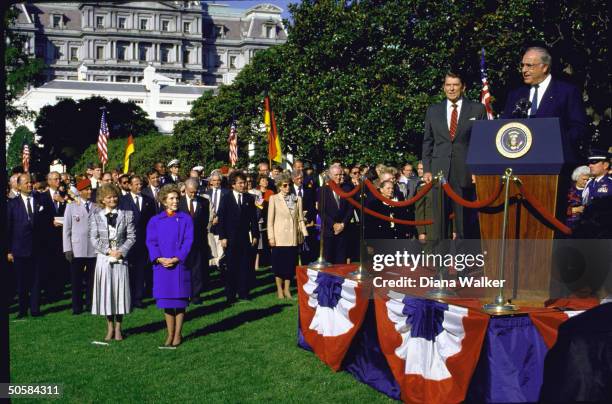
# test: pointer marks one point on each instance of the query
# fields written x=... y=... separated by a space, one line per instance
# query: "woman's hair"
x=382 y=184
x=166 y=190
x=259 y=178
x=106 y=190
x=282 y=178
x=579 y=171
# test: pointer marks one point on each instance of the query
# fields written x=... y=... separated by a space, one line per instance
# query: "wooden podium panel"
x=527 y=265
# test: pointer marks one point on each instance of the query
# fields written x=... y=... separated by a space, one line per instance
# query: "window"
x=99 y=22
x=186 y=27
x=186 y=56
x=232 y=62
x=190 y=102
x=136 y=100
x=143 y=52
x=123 y=79
x=144 y=23
x=99 y=52
x=100 y=78
x=57 y=52
x=165 y=53
x=57 y=21
x=62 y=98
x=121 y=22
x=218 y=31
x=74 y=54
x=121 y=48
x=270 y=31
x=165 y=26
x=165 y=102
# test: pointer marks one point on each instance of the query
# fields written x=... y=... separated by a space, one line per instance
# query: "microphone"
x=521 y=108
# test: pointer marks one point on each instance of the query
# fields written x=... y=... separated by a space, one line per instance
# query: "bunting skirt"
x=111 y=288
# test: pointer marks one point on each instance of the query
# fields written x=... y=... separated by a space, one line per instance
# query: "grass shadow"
x=236 y=321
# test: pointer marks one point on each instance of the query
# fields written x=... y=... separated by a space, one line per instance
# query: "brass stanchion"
x=320 y=262
x=442 y=291
x=500 y=304
x=361 y=272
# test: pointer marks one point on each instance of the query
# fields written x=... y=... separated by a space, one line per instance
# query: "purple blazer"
x=170 y=237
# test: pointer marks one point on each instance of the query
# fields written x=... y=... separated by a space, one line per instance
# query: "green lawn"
x=245 y=353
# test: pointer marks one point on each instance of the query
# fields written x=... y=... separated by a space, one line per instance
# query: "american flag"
x=103 y=140
x=485 y=96
x=25 y=158
x=233 y=143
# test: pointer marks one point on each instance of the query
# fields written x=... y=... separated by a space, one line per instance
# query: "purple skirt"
x=172 y=303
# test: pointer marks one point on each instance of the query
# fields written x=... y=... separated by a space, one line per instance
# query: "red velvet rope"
x=542 y=211
x=472 y=204
x=386 y=218
x=401 y=204
x=341 y=193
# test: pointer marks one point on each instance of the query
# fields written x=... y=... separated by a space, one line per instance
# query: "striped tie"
x=453 y=123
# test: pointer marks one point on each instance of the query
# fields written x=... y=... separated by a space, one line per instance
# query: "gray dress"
x=111 y=289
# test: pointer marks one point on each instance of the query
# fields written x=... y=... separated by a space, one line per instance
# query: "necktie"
x=453 y=122
x=191 y=208
x=300 y=193
x=336 y=198
x=29 y=204
x=215 y=201
x=240 y=201
x=87 y=206
x=534 y=101
x=55 y=203
x=137 y=201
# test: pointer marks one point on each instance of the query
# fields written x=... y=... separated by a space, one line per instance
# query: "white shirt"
x=137 y=200
x=24 y=198
x=449 y=110
x=195 y=203
x=541 y=90
x=236 y=194
x=297 y=190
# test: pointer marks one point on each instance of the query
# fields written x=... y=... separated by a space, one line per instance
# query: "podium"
x=536 y=152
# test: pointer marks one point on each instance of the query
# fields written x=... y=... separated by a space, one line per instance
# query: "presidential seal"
x=513 y=140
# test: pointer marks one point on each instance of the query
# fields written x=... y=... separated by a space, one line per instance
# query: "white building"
x=164 y=101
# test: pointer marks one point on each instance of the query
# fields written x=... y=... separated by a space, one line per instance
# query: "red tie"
x=453 y=123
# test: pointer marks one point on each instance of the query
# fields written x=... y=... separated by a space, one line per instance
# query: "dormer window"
x=269 y=31
x=56 y=21
x=218 y=31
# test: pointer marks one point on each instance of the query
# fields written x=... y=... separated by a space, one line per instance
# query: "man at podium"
x=547 y=97
x=448 y=127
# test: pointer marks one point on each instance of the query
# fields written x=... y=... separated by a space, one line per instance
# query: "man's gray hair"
x=580 y=171
x=215 y=173
x=544 y=54
x=297 y=173
x=192 y=182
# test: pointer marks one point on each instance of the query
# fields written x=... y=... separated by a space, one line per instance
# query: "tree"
x=67 y=128
x=354 y=78
x=21 y=136
x=21 y=69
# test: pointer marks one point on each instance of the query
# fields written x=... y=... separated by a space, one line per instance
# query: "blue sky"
x=250 y=3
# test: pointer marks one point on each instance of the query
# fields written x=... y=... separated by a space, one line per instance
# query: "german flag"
x=274 y=148
x=129 y=150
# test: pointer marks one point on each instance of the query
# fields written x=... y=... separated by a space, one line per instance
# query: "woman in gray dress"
x=112 y=234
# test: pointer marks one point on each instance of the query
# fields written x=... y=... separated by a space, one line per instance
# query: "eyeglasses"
x=284 y=185
x=354 y=172
x=528 y=66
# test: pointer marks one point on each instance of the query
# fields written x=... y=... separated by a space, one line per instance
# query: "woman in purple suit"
x=169 y=239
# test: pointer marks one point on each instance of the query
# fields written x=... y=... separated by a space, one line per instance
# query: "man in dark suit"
x=152 y=189
x=173 y=177
x=28 y=225
x=336 y=215
x=214 y=194
x=448 y=127
x=197 y=260
x=142 y=208
x=308 y=195
x=549 y=98
x=239 y=233
x=56 y=275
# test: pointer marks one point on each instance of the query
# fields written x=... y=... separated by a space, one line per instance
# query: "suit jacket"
x=57 y=209
x=309 y=198
x=561 y=100
x=284 y=225
x=147 y=191
x=98 y=232
x=235 y=223
x=200 y=219
x=140 y=217
x=439 y=153
x=75 y=232
x=25 y=237
x=332 y=212
x=209 y=193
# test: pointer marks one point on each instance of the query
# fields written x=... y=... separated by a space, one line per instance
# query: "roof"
x=94 y=85
x=184 y=90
